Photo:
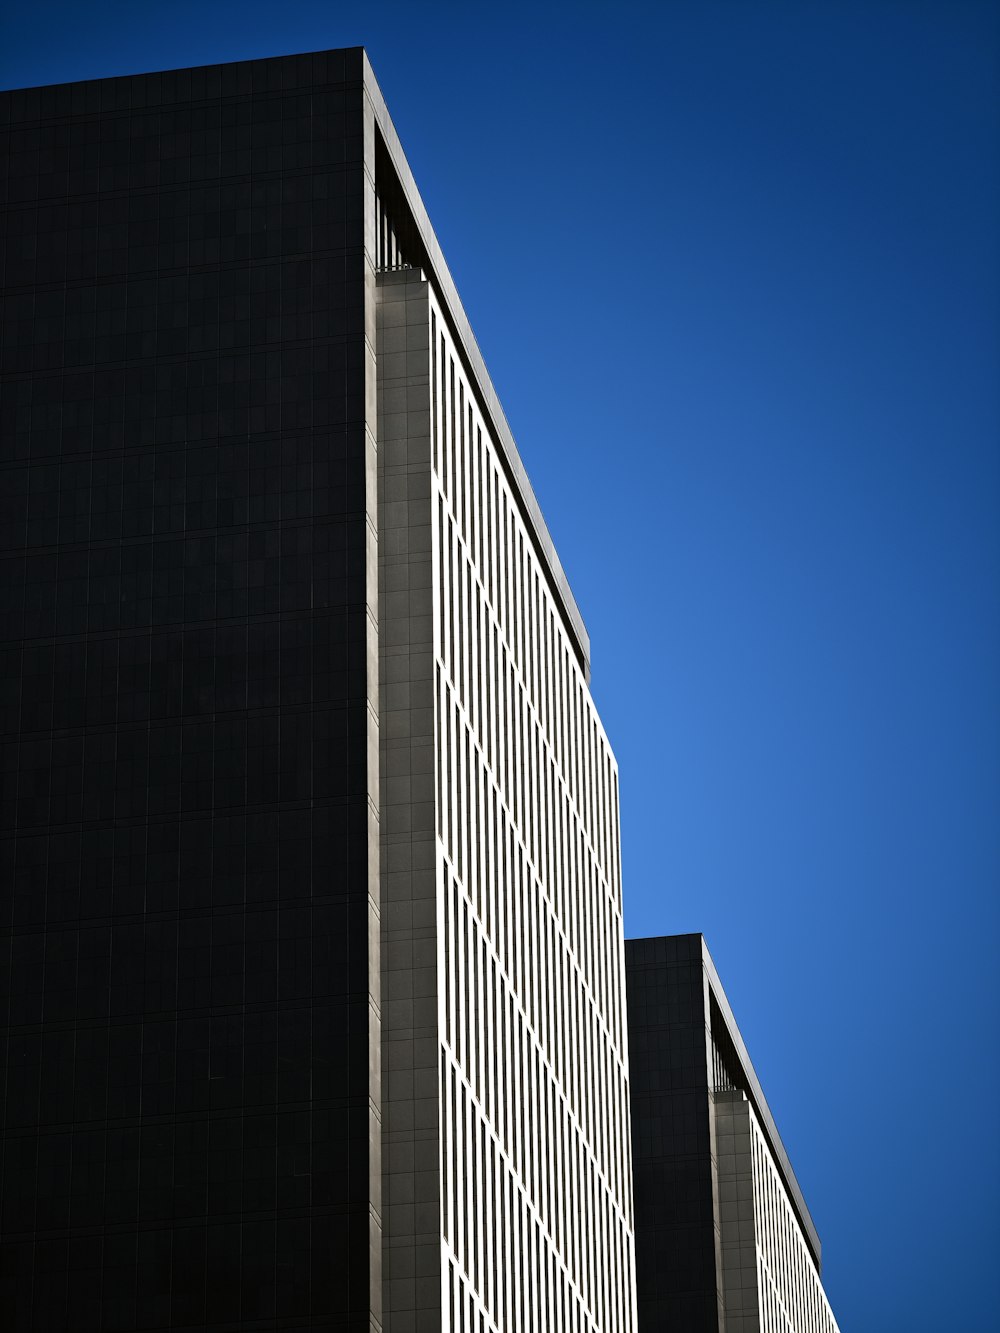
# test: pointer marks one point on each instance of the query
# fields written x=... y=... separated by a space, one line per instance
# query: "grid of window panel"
x=771 y=1282
x=535 y=1159
x=791 y=1295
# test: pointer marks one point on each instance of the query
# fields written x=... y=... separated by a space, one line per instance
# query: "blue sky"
x=734 y=269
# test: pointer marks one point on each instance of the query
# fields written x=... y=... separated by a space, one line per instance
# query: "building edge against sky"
x=724 y=1239
x=347 y=945
x=392 y=865
x=527 y=1054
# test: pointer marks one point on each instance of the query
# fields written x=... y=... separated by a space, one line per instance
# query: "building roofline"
x=753 y=1089
x=440 y=274
x=761 y=1106
x=449 y=297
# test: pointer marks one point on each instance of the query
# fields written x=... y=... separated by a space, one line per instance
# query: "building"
x=309 y=852
x=724 y=1240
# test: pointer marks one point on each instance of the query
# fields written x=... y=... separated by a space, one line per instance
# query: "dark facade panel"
x=183 y=813
x=676 y=1272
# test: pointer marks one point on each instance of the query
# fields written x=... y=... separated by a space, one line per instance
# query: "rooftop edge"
x=448 y=293
x=268 y=74
x=754 y=1088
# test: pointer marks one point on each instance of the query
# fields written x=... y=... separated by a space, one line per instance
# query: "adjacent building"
x=724 y=1240
x=310 y=886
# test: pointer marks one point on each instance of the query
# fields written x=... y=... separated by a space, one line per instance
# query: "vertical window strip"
x=522 y=720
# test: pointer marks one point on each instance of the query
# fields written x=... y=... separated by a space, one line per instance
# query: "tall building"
x=309 y=855
x=724 y=1240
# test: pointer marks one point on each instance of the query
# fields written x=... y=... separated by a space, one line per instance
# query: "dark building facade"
x=310 y=895
x=185 y=861
x=724 y=1240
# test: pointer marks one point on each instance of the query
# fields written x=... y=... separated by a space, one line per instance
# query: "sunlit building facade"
x=499 y=834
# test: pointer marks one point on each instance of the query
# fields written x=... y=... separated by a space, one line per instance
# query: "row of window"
x=178 y=865
x=173 y=767
x=528 y=1110
x=509 y=906
x=299 y=567
x=295 y=108
x=506 y=1274
x=312 y=282
x=117 y=499
x=109 y=166
x=146 y=677
x=222 y=399
x=132 y=968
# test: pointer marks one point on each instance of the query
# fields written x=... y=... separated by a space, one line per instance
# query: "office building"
x=309 y=854
x=724 y=1240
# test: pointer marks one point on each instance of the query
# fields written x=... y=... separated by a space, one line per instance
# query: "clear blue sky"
x=734 y=268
